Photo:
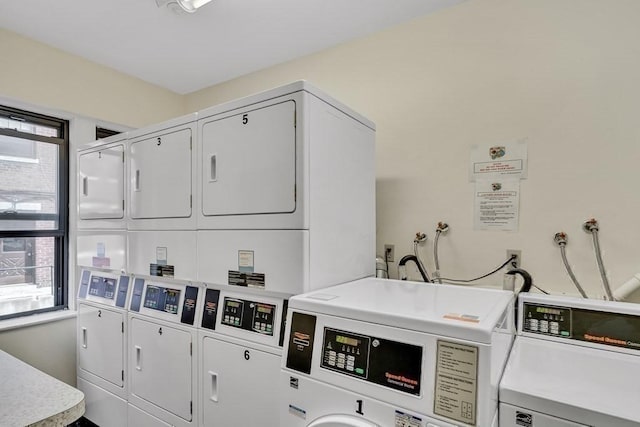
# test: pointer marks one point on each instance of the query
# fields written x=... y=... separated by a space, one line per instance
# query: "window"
x=34 y=158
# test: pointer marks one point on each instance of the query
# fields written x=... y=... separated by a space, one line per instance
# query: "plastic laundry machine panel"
x=269 y=260
x=101 y=344
x=101 y=183
x=267 y=158
x=240 y=335
x=433 y=352
x=238 y=383
x=164 y=253
x=249 y=161
x=161 y=173
x=163 y=351
x=574 y=360
x=105 y=249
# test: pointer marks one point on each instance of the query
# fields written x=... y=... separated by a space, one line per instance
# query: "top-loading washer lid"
x=470 y=314
x=341 y=421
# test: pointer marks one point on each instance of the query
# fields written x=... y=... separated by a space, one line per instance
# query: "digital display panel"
x=103 y=287
x=265 y=309
x=347 y=340
x=249 y=315
x=599 y=327
x=162 y=299
x=388 y=363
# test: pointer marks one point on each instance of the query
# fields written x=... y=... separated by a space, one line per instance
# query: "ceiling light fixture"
x=192 y=5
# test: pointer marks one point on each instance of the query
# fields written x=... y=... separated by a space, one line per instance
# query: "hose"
x=603 y=274
x=591 y=226
x=561 y=239
x=416 y=260
x=436 y=274
x=570 y=271
x=442 y=227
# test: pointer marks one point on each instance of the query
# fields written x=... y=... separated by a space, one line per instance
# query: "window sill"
x=35 y=319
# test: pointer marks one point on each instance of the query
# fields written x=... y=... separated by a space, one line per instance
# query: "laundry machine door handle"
x=84 y=337
x=138 y=358
x=214 y=386
x=341 y=421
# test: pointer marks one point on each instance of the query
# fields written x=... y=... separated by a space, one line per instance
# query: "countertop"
x=29 y=397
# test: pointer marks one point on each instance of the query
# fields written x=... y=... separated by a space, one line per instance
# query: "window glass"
x=33 y=213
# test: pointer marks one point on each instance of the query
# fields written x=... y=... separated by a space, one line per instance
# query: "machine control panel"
x=172 y=301
x=547 y=320
x=581 y=324
x=376 y=360
x=248 y=315
x=162 y=299
x=104 y=288
x=346 y=352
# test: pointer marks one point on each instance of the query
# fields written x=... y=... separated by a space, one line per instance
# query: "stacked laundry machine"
x=286 y=204
x=224 y=214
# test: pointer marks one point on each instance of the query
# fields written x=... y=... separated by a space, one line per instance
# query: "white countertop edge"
x=36 y=319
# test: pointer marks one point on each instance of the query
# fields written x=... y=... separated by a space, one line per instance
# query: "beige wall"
x=51 y=347
x=562 y=74
x=34 y=73
x=39 y=78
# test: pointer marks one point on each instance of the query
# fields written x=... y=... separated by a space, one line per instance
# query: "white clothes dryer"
x=240 y=341
x=378 y=352
x=103 y=298
x=163 y=352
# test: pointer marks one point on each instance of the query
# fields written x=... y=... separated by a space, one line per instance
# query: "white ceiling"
x=223 y=40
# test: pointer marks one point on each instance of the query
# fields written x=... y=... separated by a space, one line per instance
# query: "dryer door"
x=341 y=421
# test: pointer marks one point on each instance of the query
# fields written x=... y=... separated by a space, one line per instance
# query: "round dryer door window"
x=341 y=421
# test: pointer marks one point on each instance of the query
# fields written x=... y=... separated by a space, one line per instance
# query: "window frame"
x=61 y=233
x=102 y=133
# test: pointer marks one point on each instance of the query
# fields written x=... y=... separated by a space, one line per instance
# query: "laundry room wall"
x=42 y=79
x=49 y=346
x=35 y=73
x=561 y=75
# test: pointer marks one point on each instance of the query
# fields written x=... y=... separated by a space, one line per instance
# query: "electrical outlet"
x=388 y=252
x=516 y=262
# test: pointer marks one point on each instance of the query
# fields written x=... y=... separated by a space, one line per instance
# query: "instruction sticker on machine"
x=456 y=384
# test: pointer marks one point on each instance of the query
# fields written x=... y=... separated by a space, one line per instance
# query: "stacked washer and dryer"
x=228 y=213
x=286 y=204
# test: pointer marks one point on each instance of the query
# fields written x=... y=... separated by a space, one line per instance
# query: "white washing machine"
x=163 y=352
x=240 y=340
x=103 y=297
x=377 y=352
x=575 y=363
